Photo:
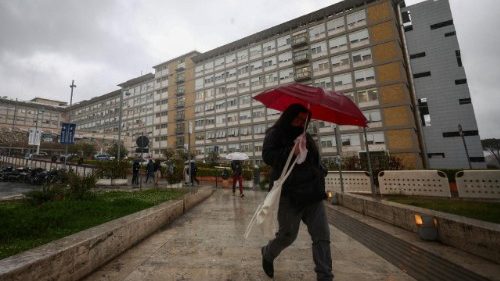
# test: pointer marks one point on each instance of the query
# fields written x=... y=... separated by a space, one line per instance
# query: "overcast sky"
x=44 y=44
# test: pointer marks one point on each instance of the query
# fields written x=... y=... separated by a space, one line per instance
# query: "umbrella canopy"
x=324 y=105
x=237 y=156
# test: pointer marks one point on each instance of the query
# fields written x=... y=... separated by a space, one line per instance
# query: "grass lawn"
x=481 y=210
x=23 y=226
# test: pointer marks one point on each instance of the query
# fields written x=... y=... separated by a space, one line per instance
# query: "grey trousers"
x=314 y=217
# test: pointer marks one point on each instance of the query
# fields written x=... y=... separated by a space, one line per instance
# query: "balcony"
x=180 y=79
x=180 y=92
x=301 y=57
x=179 y=131
x=180 y=104
x=300 y=40
x=302 y=75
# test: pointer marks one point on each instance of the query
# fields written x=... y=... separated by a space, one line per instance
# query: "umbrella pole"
x=372 y=185
x=339 y=153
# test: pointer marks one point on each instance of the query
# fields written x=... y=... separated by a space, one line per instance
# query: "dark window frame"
x=422 y=74
x=441 y=24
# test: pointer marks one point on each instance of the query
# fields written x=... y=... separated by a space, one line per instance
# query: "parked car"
x=102 y=157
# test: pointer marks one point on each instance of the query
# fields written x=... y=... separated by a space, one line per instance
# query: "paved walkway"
x=207 y=244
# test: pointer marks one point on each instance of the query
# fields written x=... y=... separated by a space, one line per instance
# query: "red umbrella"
x=324 y=105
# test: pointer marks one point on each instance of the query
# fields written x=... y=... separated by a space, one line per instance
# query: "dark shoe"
x=266 y=265
x=242 y=195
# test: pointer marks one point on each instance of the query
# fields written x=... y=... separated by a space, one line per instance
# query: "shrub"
x=112 y=169
x=80 y=187
x=450 y=173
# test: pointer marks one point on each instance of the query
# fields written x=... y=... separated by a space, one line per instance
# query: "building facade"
x=444 y=101
x=351 y=47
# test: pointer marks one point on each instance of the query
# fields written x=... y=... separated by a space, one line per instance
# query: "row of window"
x=332 y=27
x=336 y=45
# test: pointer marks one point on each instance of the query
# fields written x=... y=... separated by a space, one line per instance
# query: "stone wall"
x=77 y=255
x=470 y=235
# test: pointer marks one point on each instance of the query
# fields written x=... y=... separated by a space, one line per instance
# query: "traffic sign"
x=67 y=133
x=142 y=141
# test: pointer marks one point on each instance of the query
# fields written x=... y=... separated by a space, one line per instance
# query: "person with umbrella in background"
x=237 y=168
x=302 y=194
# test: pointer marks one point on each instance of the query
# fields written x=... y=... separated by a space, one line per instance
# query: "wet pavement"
x=10 y=190
x=207 y=244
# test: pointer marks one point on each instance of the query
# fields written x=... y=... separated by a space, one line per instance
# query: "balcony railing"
x=301 y=57
x=303 y=75
x=300 y=40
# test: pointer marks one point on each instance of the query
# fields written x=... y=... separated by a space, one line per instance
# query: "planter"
x=110 y=182
x=103 y=182
x=119 y=182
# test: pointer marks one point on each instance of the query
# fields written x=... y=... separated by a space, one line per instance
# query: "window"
x=220 y=105
x=245 y=115
x=328 y=141
x=423 y=108
x=325 y=83
x=242 y=56
x=375 y=138
x=457 y=134
x=367 y=97
x=232 y=132
x=220 y=120
x=422 y=74
x=284 y=43
x=335 y=26
x=362 y=57
x=258 y=113
x=356 y=19
x=351 y=140
x=259 y=129
x=317 y=32
x=364 y=76
x=459 y=58
x=255 y=52
x=448 y=34
x=338 y=44
x=358 y=38
x=441 y=24
x=417 y=55
x=285 y=58
x=436 y=155
x=269 y=47
x=245 y=100
x=460 y=81
x=342 y=81
x=232 y=117
x=209 y=106
x=321 y=67
x=464 y=101
x=373 y=115
x=340 y=62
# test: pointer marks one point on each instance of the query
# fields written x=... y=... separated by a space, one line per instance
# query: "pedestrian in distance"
x=194 y=170
x=150 y=171
x=302 y=193
x=237 y=168
x=135 y=172
x=157 y=171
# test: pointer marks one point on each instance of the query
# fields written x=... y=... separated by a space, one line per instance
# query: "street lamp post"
x=461 y=133
x=120 y=127
x=72 y=86
x=36 y=130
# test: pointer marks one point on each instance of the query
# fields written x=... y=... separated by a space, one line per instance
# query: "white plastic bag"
x=266 y=213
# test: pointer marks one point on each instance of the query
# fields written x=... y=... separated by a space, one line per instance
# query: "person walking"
x=302 y=193
x=194 y=169
x=150 y=171
x=237 y=168
x=135 y=172
x=157 y=171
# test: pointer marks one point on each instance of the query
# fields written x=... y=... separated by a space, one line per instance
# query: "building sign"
x=35 y=136
x=68 y=133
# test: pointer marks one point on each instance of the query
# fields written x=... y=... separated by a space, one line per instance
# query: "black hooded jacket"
x=306 y=183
